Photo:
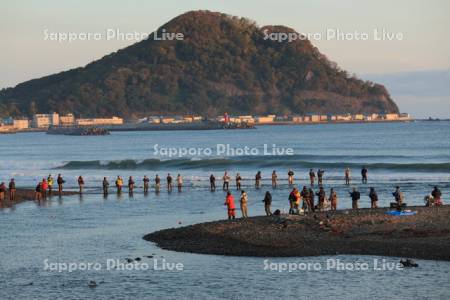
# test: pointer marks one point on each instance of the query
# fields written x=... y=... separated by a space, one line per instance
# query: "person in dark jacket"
x=169 y=182
x=322 y=196
x=364 y=172
x=130 y=185
x=267 y=203
x=436 y=193
x=307 y=198
x=105 y=186
x=212 y=182
x=355 y=195
x=320 y=176
x=146 y=181
x=312 y=176
x=312 y=198
x=258 y=179
x=80 y=183
x=12 y=190
x=60 y=181
x=373 y=198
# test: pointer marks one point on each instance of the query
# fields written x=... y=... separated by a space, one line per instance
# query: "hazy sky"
x=424 y=26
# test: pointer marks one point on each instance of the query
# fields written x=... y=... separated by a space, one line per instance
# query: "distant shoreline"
x=425 y=235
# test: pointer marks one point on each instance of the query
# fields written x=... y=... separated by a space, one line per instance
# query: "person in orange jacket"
x=229 y=202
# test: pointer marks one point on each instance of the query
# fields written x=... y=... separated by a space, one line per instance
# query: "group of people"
x=11 y=189
x=44 y=187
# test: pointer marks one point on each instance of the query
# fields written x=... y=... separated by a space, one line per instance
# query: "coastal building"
x=45 y=120
x=20 y=124
x=154 y=120
x=314 y=118
x=358 y=117
x=297 y=119
x=67 y=120
x=167 y=120
x=391 y=117
x=246 y=119
x=265 y=119
x=99 y=121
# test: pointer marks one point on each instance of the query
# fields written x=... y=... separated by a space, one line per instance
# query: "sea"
x=77 y=247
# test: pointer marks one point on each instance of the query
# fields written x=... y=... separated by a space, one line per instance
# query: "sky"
x=420 y=30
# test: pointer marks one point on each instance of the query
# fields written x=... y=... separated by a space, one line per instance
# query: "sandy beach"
x=425 y=235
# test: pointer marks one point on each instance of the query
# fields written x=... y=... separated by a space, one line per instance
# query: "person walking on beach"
x=347 y=176
x=12 y=190
x=373 y=198
x=320 y=176
x=274 y=179
x=157 y=183
x=50 y=184
x=130 y=185
x=333 y=199
x=238 y=181
x=244 y=201
x=80 y=183
x=229 y=202
x=312 y=176
x=2 y=191
x=60 y=181
x=226 y=181
x=146 y=182
x=212 y=183
x=364 y=172
x=169 y=182
x=105 y=185
x=355 y=195
x=44 y=188
x=290 y=177
x=119 y=184
x=179 y=182
x=258 y=179
x=321 y=195
x=437 y=194
x=268 y=203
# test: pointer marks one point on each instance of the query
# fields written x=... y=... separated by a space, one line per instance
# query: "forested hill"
x=223 y=64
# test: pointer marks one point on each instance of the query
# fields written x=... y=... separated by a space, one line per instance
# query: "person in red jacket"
x=229 y=202
x=44 y=188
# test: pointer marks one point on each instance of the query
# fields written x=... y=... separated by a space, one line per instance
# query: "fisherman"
x=294 y=201
x=436 y=193
x=226 y=181
x=364 y=172
x=267 y=203
x=373 y=198
x=244 y=201
x=312 y=176
x=355 y=195
x=38 y=192
x=320 y=176
x=274 y=179
x=290 y=177
x=44 y=188
x=179 y=182
x=169 y=182
x=2 y=191
x=312 y=197
x=146 y=183
x=50 y=184
x=333 y=199
x=212 y=182
x=130 y=185
x=321 y=195
x=157 y=183
x=119 y=184
x=258 y=180
x=238 y=181
x=105 y=186
x=12 y=190
x=229 y=202
x=306 y=198
x=80 y=183
x=60 y=181
x=347 y=176
x=399 y=197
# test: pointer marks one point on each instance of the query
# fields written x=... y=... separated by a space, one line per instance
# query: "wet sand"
x=425 y=235
x=28 y=195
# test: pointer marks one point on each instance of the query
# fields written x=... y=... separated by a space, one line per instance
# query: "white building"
x=45 y=120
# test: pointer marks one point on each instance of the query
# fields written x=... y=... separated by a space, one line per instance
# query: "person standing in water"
x=80 y=183
x=244 y=201
x=268 y=203
x=44 y=188
x=347 y=176
x=119 y=184
x=333 y=199
x=130 y=185
x=226 y=181
x=290 y=177
x=355 y=195
x=364 y=172
x=373 y=198
x=212 y=183
x=229 y=202
x=312 y=176
x=258 y=180
x=179 y=182
x=146 y=183
x=238 y=181
x=105 y=185
x=169 y=182
x=320 y=176
x=2 y=191
x=50 y=184
x=157 y=183
x=12 y=190
x=274 y=179
x=60 y=181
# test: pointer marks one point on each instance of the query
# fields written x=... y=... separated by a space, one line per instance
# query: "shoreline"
x=425 y=235
x=23 y=194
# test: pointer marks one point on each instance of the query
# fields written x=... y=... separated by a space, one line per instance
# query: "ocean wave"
x=294 y=162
